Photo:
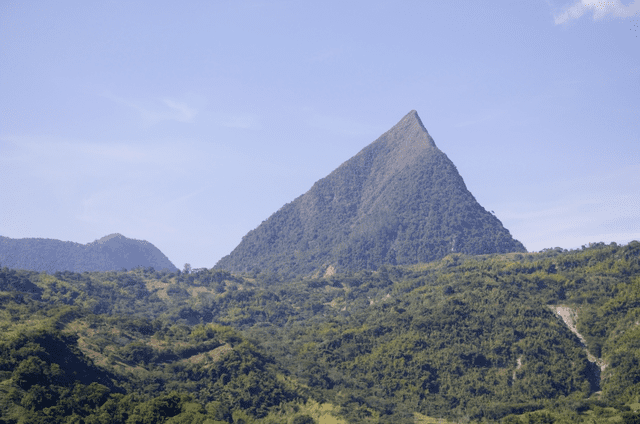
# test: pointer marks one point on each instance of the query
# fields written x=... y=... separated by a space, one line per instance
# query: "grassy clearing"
x=322 y=413
x=159 y=288
x=423 y=419
x=210 y=357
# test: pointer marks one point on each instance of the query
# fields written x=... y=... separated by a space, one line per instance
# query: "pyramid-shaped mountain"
x=400 y=200
x=110 y=253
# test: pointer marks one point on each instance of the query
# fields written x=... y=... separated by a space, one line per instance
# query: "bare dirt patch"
x=570 y=316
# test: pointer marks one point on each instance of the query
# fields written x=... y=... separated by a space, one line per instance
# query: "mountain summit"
x=110 y=253
x=400 y=200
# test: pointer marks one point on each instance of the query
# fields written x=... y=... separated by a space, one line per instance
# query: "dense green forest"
x=463 y=339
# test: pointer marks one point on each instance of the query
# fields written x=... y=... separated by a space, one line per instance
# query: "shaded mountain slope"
x=398 y=201
x=110 y=253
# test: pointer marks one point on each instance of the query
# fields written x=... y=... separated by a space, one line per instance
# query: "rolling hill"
x=110 y=253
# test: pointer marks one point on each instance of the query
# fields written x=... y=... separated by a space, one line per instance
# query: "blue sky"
x=188 y=125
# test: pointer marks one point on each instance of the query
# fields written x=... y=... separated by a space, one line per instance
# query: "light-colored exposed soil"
x=330 y=271
x=519 y=360
x=569 y=316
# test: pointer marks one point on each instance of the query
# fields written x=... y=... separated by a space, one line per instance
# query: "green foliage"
x=157 y=410
x=467 y=337
x=303 y=419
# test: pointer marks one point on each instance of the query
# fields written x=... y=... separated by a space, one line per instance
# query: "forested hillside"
x=399 y=201
x=466 y=338
x=110 y=253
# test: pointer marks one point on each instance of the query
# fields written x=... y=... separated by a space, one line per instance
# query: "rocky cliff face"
x=398 y=201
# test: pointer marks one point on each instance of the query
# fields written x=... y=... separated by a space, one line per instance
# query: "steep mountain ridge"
x=400 y=200
x=110 y=253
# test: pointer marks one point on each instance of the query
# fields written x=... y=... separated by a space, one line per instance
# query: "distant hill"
x=110 y=253
x=398 y=201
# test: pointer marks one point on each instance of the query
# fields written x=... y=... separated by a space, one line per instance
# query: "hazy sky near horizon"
x=187 y=125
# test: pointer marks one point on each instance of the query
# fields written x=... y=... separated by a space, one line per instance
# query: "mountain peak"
x=412 y=117
x=400 y=200
x=109 y=237
x=403 y=143
x=411 y=128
